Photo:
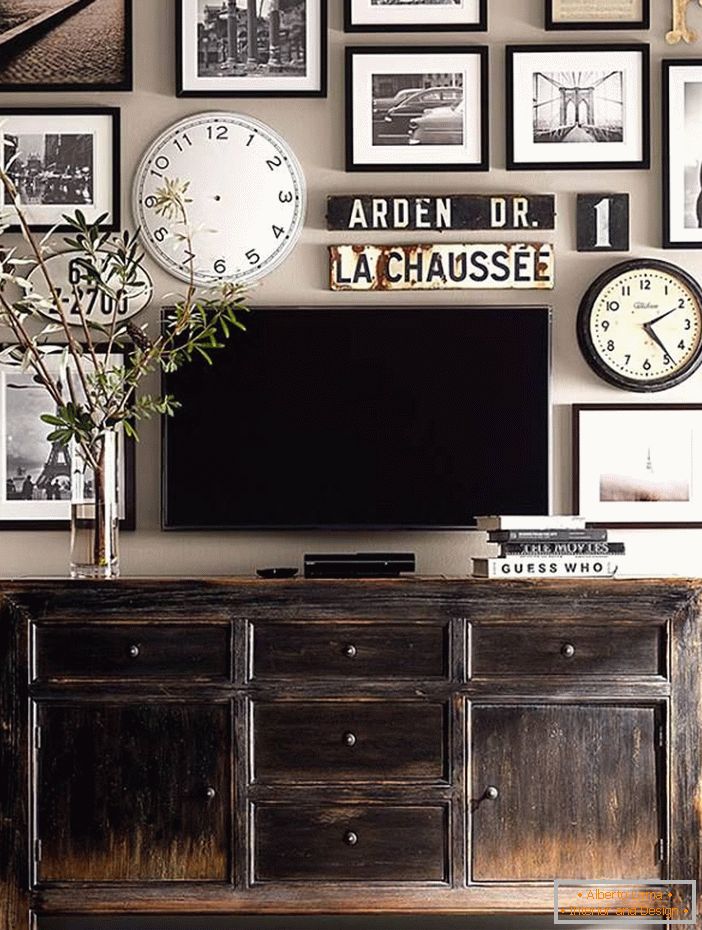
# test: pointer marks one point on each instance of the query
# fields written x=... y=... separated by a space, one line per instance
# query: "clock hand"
x=661 y=317
x=649 y=329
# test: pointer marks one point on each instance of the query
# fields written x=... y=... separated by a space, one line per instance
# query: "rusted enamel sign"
x=449 y=267
x=360 y=212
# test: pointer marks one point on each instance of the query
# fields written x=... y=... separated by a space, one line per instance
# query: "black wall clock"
x=640 y=325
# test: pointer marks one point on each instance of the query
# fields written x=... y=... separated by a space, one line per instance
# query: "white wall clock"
x=247 y=193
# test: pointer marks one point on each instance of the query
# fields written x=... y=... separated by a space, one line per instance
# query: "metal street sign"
x=371 y=212
x=444 y=266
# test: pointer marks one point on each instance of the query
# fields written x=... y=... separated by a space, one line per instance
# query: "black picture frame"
x=480 y=26
x=128 y=489
x=669 y=240
x=359 y=51
x=115 y=149
x=126 y=84
x=188 y=92
x=577 y=412
x=552 y=25
x=513 y=163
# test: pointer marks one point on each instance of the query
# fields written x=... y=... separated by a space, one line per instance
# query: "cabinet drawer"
x=350 y=842
x=350 y=741
x=563 y=649
x=308 y=649
x=132 y=651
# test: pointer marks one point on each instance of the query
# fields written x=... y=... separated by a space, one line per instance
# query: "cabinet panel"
x=134 y=792
x=304 y=649
x=350 y=741
x=351 y=842
x=578 y=792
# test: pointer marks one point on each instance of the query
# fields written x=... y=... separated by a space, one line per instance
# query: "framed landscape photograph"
x=417 y=109
x=35 y=474
x=638 y=465
x=590 y=107
x=251 y=48
x=62 y=161
x=416 y=15
x=598 y=14
x=65 y=45
x=682 y=155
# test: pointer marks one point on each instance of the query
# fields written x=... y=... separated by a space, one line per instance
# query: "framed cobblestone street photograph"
x=251 y=48
x=65 y=45
x=62 y=160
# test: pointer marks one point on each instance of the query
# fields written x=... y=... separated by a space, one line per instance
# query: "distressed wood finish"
x=246 y=687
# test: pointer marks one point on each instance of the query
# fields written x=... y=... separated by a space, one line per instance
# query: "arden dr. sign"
x=444 y=266
x=370 y=212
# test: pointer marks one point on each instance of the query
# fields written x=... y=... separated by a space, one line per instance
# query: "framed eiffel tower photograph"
x=35 y=474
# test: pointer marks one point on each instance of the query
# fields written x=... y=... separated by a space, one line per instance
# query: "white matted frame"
x=437 y=64
x=578 y=137
x=459 y=16
x=638 y=465
x=597 y=14
x=682 y=153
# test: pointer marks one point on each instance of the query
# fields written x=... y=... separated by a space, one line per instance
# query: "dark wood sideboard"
x=175 y=747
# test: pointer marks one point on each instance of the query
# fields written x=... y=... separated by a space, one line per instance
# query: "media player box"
x=360 y=565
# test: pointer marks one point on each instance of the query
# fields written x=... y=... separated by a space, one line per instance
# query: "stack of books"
x=545 y=547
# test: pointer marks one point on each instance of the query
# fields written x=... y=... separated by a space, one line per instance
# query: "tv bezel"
x=362 y=527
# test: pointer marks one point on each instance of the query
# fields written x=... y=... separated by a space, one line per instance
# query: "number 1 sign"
x=603 y=223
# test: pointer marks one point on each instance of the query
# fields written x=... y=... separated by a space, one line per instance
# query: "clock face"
x=247 y=194
x=640 y=325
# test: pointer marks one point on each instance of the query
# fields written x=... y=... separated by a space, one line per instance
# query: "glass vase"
x=94 y=508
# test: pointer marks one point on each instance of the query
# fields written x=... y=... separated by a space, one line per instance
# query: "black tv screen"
x=363 y=417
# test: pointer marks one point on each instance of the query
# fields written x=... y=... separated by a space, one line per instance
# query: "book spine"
x=539 y=536
x=562 y=549
x=545 y=568
x=524 y=523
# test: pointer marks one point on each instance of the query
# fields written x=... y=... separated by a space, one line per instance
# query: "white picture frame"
x=682 y=157
x=416 y=16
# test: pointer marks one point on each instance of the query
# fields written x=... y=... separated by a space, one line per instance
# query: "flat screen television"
x=353 y=417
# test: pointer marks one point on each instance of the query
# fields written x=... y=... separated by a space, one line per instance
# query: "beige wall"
x=315 y=129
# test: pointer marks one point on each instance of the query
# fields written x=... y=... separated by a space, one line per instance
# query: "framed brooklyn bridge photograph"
x=251 y=48
x=35 y=473
x=65 y=45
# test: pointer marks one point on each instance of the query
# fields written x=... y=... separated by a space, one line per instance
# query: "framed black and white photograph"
x=251 y=48
x=417 y=109
x=588 y=107
x=416 y=15
x=65 y=45
x=62 y=161
x=638 y=465
x=598 y=14
x=682 y=153
x=35 y=474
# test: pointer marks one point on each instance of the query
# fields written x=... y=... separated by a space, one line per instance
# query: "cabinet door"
x=133 y=792
x=578 y=792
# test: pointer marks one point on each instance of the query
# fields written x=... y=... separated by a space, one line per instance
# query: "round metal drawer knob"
x=210 y=793
x=350 y=739
x=134 y=652
x=351 y=838
x=568 y=651
x=492 y=793
x=350 y=651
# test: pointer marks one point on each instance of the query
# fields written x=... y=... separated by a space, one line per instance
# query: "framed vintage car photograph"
x=62 y=160
x=251 y=48
x=66 y=45
x=417 y=109
x=636 y=465
x=416 y=15
x=597 y=14
x=588 y=107
x=682 y=153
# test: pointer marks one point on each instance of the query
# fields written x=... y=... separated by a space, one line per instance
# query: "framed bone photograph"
x=416 y=15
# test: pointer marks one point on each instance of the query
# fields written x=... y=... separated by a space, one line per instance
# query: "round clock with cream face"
x=640 y=325
x=246 y=198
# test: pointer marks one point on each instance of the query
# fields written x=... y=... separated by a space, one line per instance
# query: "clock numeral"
x=646 y=365
x=189 y=257
x=285 y=196
x=218 y=133
x=178 y=144
x=156 y=174
x=665 y=290
x=160 y=234
x=278 y=231
x=253 y=256
x=613 y=305
x=162 y=163
x=220 y=266
x=645 y=284
x=681 y=303
x=688 y=325
x=627 y=360
x=251 y=138
x=626 y=291
x=150 y=202
x=681 y=345
x=610 y=346
x=604 y=325
x=667 y=360
x=274 y=163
